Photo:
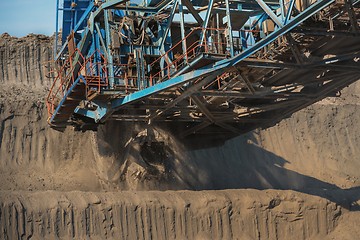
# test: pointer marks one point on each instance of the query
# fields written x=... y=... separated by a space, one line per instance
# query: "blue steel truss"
x=205 y=66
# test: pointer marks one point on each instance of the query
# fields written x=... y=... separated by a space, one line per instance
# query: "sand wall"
x=231 y=214
x=53 y=184
x=23 y=60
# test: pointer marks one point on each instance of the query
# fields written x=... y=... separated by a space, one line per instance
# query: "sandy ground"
x=79 y=185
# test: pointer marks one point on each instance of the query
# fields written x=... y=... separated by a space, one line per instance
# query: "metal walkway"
x=204 y=67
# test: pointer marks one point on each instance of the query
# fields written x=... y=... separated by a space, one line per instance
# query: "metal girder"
x=352 y=16
x=228 y=16
x=169 y=21
x=193 y=11
x=257 y=95
x=282 y=9
x=269 y=12
x=317 y=32
x=88 y=10
x=103 y=45
x=209 y=115
x=329 y=63
x=160 y=87
x=187 y=93
x=247 y=83
x=182 y=28
x=294 y=49
x=206 y=20
x=195 y=129
x=289 y=11
x=307 y=13
x=108 y=43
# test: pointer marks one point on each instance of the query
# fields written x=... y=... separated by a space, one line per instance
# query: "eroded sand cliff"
x=73 y=184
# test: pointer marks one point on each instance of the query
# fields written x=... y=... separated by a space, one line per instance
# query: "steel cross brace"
x=269 y=12
x=212 y=119
x=187 y=93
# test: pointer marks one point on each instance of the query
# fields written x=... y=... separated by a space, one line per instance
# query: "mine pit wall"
x=231 y=214
x=316 y=148
x=23 y=60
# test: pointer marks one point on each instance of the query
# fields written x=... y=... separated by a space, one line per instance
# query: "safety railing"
x=121 y=71
x=130 y=82
x=209 y=45
x=64 y=77
x=95 y=72
x=93 y=68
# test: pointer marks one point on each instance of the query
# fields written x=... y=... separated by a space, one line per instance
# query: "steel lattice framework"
x=203 y=66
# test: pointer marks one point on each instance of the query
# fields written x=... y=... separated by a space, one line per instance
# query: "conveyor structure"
x=205 y=67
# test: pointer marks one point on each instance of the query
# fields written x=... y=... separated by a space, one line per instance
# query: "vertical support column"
x=289 y=11
x=282 y=8
x=169 y=21
x=108 y=45
x=231 y=40
x=98 y=57
x=56 y=29
x=219 y=40
x=165 y=35
x=182 y=30
x=206 y=21
x=75 y=14
x=140 y=66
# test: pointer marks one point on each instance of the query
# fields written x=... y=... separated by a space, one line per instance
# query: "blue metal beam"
x=269 y=12
x=182 y=28
x=101 y=40
x=193 y=11
x=169 y=21
x=206 y=20
x=71 y=88
x=307 y=13
x=289 y=11
x=282 y=9
x=56 y=29
x=85 y=15
x=108 y=44
x=228 y=15
x=97 y=114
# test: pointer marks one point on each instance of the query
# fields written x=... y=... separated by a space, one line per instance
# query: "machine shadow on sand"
x=238 y=163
